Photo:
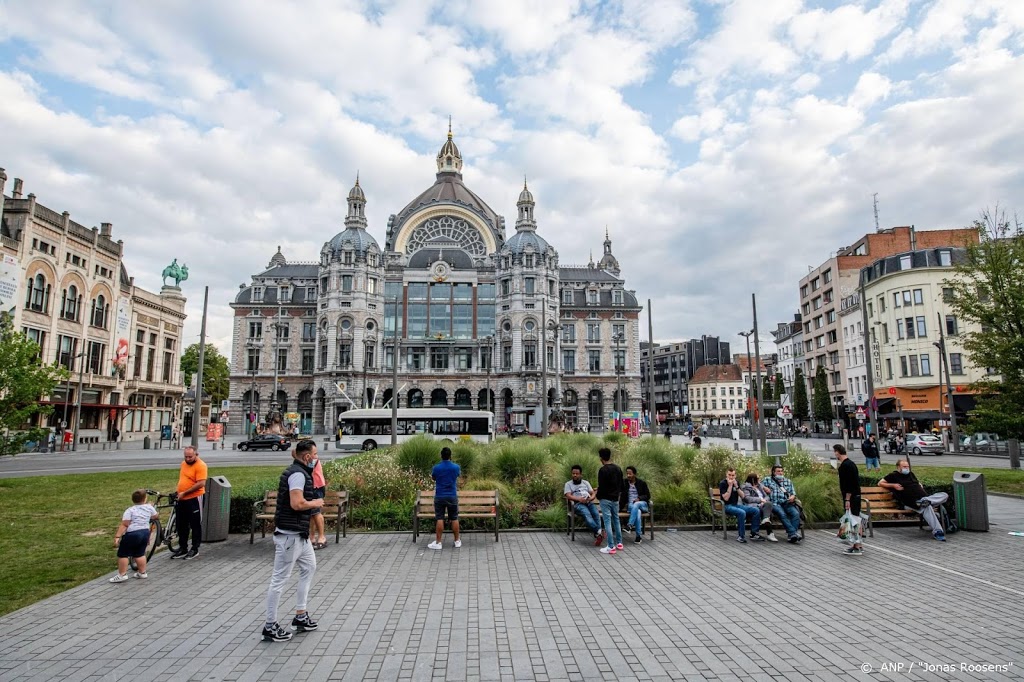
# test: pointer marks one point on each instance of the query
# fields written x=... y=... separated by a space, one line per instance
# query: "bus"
x=370 y=429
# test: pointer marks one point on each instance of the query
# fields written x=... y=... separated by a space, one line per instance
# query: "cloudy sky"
x=726 y=145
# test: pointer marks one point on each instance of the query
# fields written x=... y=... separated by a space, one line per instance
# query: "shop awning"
x=100 y=405
x=886 y=405
x=924 y=415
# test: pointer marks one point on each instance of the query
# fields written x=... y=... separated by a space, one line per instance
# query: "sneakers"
x=180 y=554
x=772 y=538
x=275 y=633
x=434 y=545
x=619 y=546
x=604 y=550
x=630 y=527
x=741 y=539
x=458 y=543
x=853 y=551
x=304 y=623
x=192 y=554
x=793 y=540
x=140 y=576
x=119 y=578
x=638 y=540
x=757 y=537
x=598 y=538
x=941 y=537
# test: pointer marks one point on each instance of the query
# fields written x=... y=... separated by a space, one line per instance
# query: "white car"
x=924 y=443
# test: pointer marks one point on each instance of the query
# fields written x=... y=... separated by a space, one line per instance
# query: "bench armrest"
x=258 y=505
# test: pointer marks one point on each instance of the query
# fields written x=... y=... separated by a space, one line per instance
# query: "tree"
x=822 y=399
x=766 y=394
x=215 y=371
x=988 y=292
x=23 y=381
x=800 y=405
x=780 y=386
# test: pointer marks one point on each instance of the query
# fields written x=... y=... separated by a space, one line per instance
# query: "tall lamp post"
x=489 y=340
x=555 y=330
x=943 y=358
x=78 y=403
x=750 y=398
x=617 y=338
x=67 y=399
x=395 y=354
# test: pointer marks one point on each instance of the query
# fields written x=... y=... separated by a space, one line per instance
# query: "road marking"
x=937 y=567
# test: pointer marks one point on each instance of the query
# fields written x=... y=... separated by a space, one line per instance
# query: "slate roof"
x=449 y=188
x=713 y=374
x=577 y=274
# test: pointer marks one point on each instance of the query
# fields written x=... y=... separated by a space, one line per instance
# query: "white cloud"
x=871 y=88
x=847 y=32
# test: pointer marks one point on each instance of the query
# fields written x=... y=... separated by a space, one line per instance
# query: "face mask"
x=904 y=470
x=313 y=462
x=779 y=477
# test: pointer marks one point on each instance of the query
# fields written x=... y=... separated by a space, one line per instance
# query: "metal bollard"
x=1013 y=445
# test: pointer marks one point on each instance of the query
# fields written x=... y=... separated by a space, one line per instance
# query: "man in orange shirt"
x=189 y=507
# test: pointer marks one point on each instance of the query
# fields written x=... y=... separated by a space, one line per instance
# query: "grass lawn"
x=57 y=532
x=996 y=480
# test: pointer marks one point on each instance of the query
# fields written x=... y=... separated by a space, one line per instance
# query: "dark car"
x=266 y=442
x=518 y=430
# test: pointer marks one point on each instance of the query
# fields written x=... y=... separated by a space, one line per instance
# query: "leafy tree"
x=822 y=400
x=23 y=381
x=800 y=406
x=216 y=372
x=766 y=394
x=780 y=386
x=988 y=291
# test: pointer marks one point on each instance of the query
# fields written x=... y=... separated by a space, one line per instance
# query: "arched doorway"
x=368 y=398
x=439 y=398
x=485 y=401
x=463 y=399
x=570 y=401
x=595 y=409
x=282 y=402
x=320 y=412
x=552 y=396
x=305 y=402
x=506 y=406
x=415 y=398
x=386 y=398
x=621 y=401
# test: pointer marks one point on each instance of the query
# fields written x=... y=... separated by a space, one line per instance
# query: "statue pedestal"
x=172 y=292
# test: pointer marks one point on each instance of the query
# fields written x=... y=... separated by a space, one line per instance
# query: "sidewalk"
x=536 y=606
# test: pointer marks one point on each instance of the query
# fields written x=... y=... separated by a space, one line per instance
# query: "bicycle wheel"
x=171 y=533
x=155 y=538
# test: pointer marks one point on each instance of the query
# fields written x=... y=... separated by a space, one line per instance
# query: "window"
x=464 y=358
x=67 y=348
x=98 y=315
x=830 y=317
x=371 y=285
x=832 y=336
x=95 y=355
x=252 y=361
x=945 y=258
x=922 y=327
x=906 y=298
x=903 y=366
x=956 y=363
x=438 y=358
x=815 y=284
x=918 y=297
x=257 y=294
x=506 y=287
x=827 y=276
x=38 y=297
x=307 y=360
x=282 y=331
x=803 y=291
x=416 y=358
x=345 y=354
x=806 y=309
x=69 y=303
x=346 y=282
x=914 y=369
x=881 y=304
x=323 y=285
x=347 y=259
x=593 y=333
x=308 y=332
x=323 y=355
x=617 y=296
x=888 y=368
x=255 y=330
x=620 y=331
x=620 y=359
x=528 y=258
x=506 y=357
x=369 y=356
x=827 y=296
x=567 y=296
x=282 y=360
x=594 y=360
x=816 y=303
x=529 y=355
x=951 y=325
x=926 y=365
x=819 y=322
x=905 y=262
x=529 y=284
x=592 y=297
x=568 y=361
x=310 y=294
x=899 y=329
x=908 y=324
x=569 y=333
x=168 y=367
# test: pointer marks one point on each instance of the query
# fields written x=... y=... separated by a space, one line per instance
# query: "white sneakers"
x=434 y=545
x=140 y=576
x=458 y=543
x=119 y=578
x=772 y=538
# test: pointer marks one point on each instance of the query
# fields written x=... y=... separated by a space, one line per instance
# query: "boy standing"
x=132 y=537
x=446 y=497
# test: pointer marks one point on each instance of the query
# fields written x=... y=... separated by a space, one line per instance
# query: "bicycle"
x=158 y=533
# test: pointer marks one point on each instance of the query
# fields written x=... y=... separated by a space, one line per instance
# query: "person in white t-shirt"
x=580 y=492
x=132 y=537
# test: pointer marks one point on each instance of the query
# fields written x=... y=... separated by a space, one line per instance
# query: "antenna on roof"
x=875 y=196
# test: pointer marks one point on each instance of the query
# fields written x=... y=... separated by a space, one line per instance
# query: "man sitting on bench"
x=911 y=494
x=579 y=491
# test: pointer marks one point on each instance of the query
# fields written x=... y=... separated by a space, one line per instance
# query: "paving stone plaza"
x=536 y=606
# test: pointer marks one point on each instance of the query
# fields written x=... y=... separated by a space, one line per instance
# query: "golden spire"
x=449 y=126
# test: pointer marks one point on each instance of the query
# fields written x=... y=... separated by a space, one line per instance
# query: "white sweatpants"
x=926 y=508
x=289 y=550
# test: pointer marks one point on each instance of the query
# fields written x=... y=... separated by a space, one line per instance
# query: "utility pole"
x=652 y=410
x=877 y=227
x=395 y=353
x=199 y=372
x=750 y=410
x=949 y=386
x=757 y=350
x=544 y=367
x=78 y=401
x=869 y=357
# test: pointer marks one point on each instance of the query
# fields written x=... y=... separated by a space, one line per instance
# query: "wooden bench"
x=570 y=520
x=718 y=515
x=879 y=501
x=335 y=509
x=473 y=504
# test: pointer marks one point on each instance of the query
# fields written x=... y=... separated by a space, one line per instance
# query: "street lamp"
x=618 y=339
x=943 y=359
x=78 y=403
x=395 y=353
x=750 y=410
x=67 y=399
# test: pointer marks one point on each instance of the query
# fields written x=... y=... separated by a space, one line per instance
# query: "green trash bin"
x=971 y=500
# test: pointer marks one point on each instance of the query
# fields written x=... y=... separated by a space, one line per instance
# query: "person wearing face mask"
x=782 y=495
x=295 y=503
x=316 y=519
x=756 y=495
x=732 y=499
x=909 y=492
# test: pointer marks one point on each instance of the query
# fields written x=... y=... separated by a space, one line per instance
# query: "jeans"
x=790 y=516
x=742 y=513
x=636 y=516
x=591 y=514
x=926 y=508
x=610 y=514
x=289 y=550
x=872 y=463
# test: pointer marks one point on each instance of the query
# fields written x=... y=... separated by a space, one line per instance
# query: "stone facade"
x=453 y=291
x=120 y=342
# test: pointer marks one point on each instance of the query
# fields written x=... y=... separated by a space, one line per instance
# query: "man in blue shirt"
x=446 y=497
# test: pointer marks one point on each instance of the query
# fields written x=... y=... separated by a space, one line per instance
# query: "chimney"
x=16 y=191
x=105 y=229
x=3 y=181
x=913 y=239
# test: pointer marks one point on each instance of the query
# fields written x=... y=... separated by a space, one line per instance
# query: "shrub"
x=465 y=454
x=590 y=464
x=710 y=464
x=685 y=502
x=384 y=514
x=552 y=517
x=515 y=460
x=420 y=454
x=653 y=459
x=798 y=462
x=539 y=487
x=820 y=497
x=379 y=477
x=242 y=500
x=615 y=438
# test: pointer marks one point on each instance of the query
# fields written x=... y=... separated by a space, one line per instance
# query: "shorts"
x=449 y=504
x=318 y=494
x=133 y=544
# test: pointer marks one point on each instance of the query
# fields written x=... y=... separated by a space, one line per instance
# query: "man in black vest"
x=295 y=501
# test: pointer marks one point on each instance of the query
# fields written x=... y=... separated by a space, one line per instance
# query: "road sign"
x=860 y=412
x=770 y=404
x=225 y=405
x=892 y=391
x=786 y=412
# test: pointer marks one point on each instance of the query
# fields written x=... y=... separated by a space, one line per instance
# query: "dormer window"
x=592 y=297
x=448 y=161
x=529 y=260
x=257 y=294
x=348 y=258
x=617 y=296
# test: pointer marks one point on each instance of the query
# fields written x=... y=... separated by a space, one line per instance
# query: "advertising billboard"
x=10 y=283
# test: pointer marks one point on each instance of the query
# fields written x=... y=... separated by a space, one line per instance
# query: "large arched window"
x=439 y=398
x=595 y=401
x=69 y=303
x=415 y=398
x=463 y=399
x=38 y=296
x=485 y=401
x=98 y=315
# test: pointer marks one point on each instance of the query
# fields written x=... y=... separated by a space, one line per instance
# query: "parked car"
x=924 y=443
x=518 y=430
x=267 y=441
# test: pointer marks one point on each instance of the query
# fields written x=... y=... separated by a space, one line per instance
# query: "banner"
x=122 y=327
x=10 y=283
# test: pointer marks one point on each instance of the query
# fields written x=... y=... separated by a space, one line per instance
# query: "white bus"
x=370 y=429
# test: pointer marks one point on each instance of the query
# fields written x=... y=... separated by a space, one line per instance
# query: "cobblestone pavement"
x=536 y=606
